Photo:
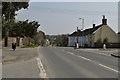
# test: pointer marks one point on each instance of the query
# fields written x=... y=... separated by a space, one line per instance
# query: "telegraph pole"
x=77 y=45
x=82 y=34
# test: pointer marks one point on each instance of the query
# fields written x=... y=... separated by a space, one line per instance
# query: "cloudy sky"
x=63 y=17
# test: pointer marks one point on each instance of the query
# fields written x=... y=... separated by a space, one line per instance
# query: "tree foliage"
x=25 y=28
x=8 y=15
x=98 y=43
x=62 y=40
x=39 y=38
x=9 y=8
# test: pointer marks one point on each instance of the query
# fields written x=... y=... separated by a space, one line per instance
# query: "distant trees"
x=62 y=40
x=39 y=38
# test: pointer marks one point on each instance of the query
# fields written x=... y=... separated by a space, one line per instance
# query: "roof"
x=76 y=34
x=86 y=31
x=118 y=32
x=91 y=30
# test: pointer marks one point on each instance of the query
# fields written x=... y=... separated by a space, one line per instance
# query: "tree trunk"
x=6 y=41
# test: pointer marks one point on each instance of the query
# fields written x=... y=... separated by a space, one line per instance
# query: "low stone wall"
x=11 y=40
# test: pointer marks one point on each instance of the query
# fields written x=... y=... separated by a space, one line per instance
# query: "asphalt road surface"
x=60 y=62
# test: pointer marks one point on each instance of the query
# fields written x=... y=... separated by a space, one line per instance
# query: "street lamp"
x=77 y=45
x=82 y=34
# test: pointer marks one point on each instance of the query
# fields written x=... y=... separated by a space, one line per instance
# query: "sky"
x=63 y=17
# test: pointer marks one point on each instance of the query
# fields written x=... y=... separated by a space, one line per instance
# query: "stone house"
x=89 y=37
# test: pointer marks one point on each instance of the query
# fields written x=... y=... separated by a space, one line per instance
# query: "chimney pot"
x=93 y=25
x=104 y=21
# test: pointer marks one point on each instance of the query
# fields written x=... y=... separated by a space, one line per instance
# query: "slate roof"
x=75 y=33
x=86 y=31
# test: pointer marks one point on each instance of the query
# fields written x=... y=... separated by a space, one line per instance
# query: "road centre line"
x=99 y=64
x=98 y=53
x=109 y=68
x=84 y=58
x=95 y=62
x=71 y=53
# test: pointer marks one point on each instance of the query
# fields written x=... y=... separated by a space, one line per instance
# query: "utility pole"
x=77 y=45
x=82 y=34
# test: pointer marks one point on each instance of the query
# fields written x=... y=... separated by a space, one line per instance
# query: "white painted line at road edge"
x=41 y=68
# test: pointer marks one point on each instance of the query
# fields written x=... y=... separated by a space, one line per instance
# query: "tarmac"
x=23 y=54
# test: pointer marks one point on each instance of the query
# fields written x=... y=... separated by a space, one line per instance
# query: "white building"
x=91 y=36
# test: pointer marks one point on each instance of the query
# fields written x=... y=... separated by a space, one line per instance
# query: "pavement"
x=20 y=63
x=23 y=69
x=20 y=54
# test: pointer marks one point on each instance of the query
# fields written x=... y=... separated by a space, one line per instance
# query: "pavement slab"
x=20 y=54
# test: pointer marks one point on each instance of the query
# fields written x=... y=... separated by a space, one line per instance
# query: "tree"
x=25 y=28
x=98 y=43
x=105 y=41
x=9 y=9
x=62 y=40
x=8 y=16
x=40 y=38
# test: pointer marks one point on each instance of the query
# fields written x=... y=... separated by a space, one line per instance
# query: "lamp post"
x=77 y=45
x=82 y=34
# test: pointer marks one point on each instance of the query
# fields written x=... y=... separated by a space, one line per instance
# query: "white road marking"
x=109 y=68
x=97 y=52
x=95 y=62
x=99 y=64
x=71 y=53
x=41 y=68
x=84 y=58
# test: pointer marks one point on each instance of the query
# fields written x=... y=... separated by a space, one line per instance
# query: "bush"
x=98 y=44
x=29 y=46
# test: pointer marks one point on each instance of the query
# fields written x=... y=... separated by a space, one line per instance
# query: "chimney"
x=104 y=21
x=93 y=25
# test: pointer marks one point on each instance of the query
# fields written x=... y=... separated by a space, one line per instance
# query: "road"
x=60 y=62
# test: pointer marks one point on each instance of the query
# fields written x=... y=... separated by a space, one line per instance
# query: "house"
x=92 y=37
